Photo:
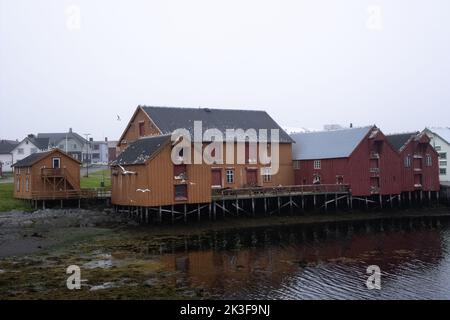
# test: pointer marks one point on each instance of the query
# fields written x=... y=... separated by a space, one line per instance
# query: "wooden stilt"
x=303 y=203
x=265 y=205
x=315 y=201
x=253 y=206
x=43 y=204
x=326 y=202
x=223 y=208
x=237 y=206
x=198 y=212
x=185 y=213
x=173 y=214
x=160 y=214
x=381 y=201
x=209 y=213
x=279 y=204
x=291 y=208
x=62 y=204
x=367 y=203
x=146 y=215
x=336 y=201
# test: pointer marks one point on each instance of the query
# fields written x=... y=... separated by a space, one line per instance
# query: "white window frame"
x=20 y=151
x=59 y=163
x=442 y=171
x=296 y=164
x=27 y=184
x=408 y=161
x=317 y=164
x=229 y=175
x=428 y=160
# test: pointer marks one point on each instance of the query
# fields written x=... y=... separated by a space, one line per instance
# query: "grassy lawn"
x=94 y=180
x=7 y=202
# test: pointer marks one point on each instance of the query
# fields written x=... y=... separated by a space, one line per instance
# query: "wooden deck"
x=284 y=191
x=71 y=194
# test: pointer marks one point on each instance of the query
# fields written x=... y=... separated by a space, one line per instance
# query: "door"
x=56 y=163
x=252 y=177
x=216 y=178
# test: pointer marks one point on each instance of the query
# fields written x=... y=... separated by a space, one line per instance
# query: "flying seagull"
x=142 y=190
x=118 y=118
x=125 y=171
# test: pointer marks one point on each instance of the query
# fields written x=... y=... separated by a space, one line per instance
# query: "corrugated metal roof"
x=399 y=140
x=139 y=151
x=444 y=133
x=168 y=119
x=327 y=144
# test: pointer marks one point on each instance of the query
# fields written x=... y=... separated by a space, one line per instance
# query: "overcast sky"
x=308 y=63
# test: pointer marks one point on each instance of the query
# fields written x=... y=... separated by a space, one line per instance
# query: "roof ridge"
x=202 y=108
x=331 y=131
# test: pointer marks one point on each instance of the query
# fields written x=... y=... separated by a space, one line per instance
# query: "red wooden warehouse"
x=363 y=158
x=419 y=164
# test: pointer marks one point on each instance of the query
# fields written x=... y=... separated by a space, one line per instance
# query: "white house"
x=440 y=140
x=28 y=146
x=6 y=158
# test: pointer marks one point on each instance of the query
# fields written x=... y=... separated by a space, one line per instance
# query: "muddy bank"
x=31 y=232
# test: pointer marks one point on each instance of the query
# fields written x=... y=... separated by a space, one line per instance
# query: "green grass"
x=94 y=180
x=7 y=201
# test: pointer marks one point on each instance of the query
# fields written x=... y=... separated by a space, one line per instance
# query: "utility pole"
x=87 y=153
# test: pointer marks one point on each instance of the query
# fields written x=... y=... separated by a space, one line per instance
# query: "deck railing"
x=53 y=172
x=281 y=191
x=100 y=193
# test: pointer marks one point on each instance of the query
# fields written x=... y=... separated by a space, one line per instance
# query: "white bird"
x=142 y=190
x=126 y=171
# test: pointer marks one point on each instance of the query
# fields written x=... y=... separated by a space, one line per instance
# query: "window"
x=437 y=148
x=428 y=161
x=267 y=175
x=408 y=161
x=20 y=151
x=181 y=192
x=141 y=129
x=74 y=147
x=61 y=147
x=317 y=164
x=18 y=183
x=96 y=156
x=230 y=176
x=34 y=150
x=179 y=171
x=296 y=164
x=443 y=163
x=339 y=179
x=443 y=155
x=96 y=147
x=27 y=184
x=56 y=163
x=442 y=171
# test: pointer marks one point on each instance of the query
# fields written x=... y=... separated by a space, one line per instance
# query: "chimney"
x=91 y=139
x=70 y=130
x=106 y=139
x=351 y=125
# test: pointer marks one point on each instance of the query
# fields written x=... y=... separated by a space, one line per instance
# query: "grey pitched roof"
x=139 y=151
x=399 y=140
x=168 y=119
x=327 y=144
x=55 y=138
x=31 y=159
x=6 y=146
x=41 y=143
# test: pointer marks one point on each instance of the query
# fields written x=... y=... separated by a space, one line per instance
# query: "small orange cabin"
x=46 y=175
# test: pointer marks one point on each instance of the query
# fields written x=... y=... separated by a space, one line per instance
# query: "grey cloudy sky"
x=307 y=62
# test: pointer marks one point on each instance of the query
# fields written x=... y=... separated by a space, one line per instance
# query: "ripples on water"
x=319 y=262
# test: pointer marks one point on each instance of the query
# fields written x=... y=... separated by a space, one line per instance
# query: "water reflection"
x=318 y=261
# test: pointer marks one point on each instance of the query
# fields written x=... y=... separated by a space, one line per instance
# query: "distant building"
x=70 y=142
x=419 y=162
x=31 y=144
x=440 y=140
x=46 y=175
x=6 y=157
x=113 y=150
x=100 y=151
x=359 y=157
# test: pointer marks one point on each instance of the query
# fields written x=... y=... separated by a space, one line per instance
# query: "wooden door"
x=252 y=177
x=216 y=178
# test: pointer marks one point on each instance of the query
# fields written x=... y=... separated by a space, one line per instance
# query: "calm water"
x=317 y=262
